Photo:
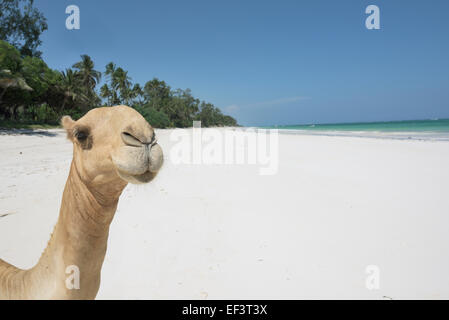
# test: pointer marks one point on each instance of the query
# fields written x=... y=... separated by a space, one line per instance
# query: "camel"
x=112 y=146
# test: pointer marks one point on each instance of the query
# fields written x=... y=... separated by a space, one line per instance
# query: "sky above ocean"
x=271 y=62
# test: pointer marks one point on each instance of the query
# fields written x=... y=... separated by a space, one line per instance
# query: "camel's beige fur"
x=111 y=147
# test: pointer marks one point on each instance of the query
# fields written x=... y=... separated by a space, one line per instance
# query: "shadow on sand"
x=28 y=132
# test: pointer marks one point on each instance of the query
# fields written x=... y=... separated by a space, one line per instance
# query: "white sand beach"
x=335 y=206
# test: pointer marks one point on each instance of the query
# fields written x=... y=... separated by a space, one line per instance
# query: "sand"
x=336 y=206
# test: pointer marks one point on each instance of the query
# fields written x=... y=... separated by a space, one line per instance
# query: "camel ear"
x=68 y=124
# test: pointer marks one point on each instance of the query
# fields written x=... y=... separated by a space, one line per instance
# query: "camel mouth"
x=137 y=178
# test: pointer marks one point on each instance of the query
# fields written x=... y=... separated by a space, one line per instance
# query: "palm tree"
x=122 y=82
x=120 y=89
x=89 y=77
x=108 y=93
x=118 y=82
x=137 y=92
x=70 y=87
x=110 y=70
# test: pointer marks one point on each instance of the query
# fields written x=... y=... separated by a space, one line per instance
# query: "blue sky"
x=271 y=62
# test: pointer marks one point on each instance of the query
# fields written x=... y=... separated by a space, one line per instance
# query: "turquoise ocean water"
x=437 y=129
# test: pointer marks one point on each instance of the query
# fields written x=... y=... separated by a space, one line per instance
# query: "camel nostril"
x=130 y=140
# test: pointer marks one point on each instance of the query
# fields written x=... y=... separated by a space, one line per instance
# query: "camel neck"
x=78 y=242
x=86 y=209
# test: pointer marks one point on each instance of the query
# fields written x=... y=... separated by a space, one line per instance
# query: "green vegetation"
x=21 y=25
x=33 y=95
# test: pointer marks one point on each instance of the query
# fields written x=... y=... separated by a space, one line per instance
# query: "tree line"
x=31 y=92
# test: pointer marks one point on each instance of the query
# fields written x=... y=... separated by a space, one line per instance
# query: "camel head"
x=114 y=145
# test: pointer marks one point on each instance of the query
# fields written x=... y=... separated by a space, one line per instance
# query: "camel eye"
x=81 y=135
